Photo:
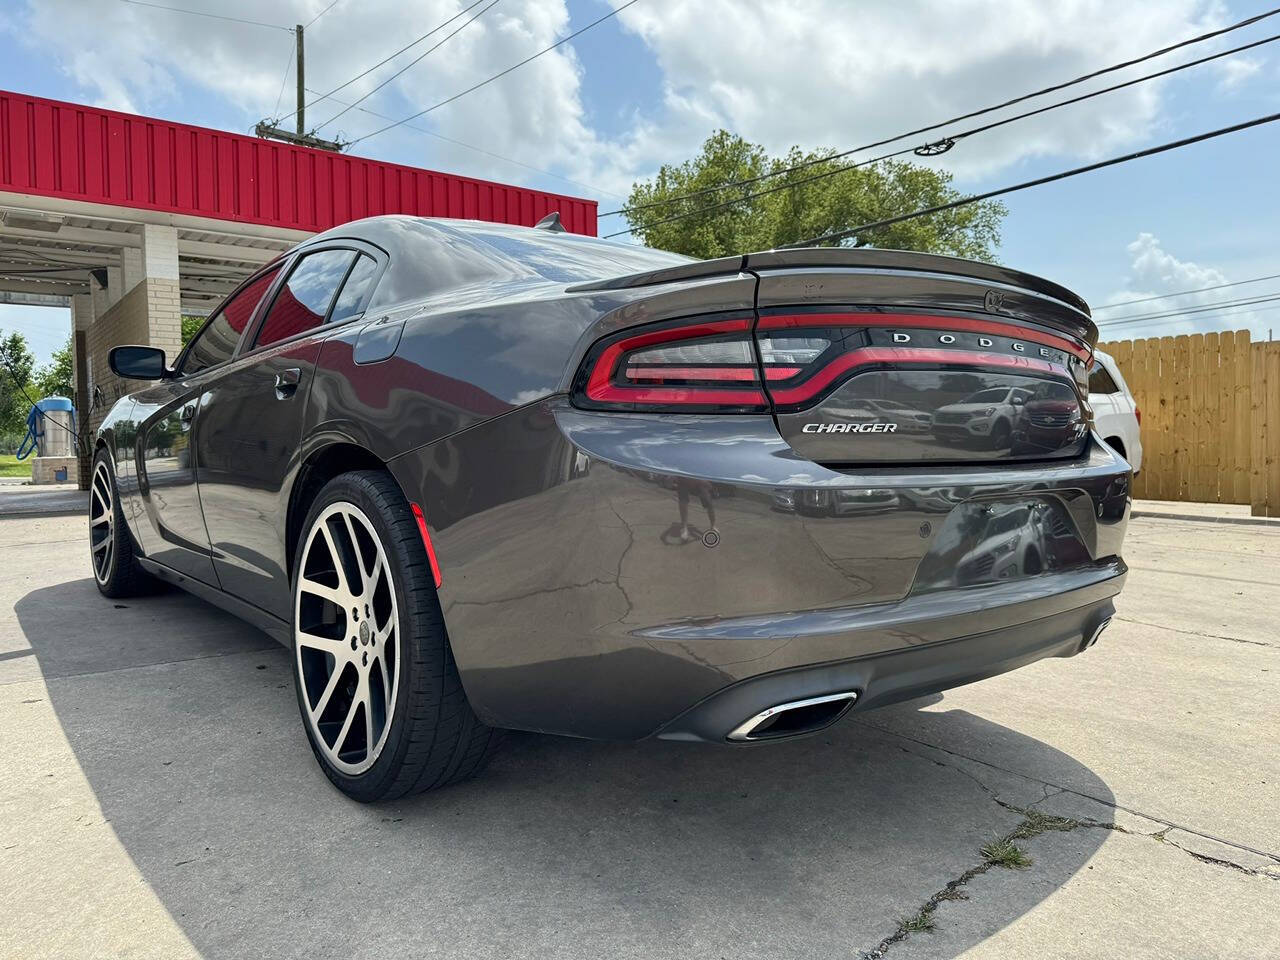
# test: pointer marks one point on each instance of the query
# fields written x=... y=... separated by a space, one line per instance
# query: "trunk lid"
x=888 y=357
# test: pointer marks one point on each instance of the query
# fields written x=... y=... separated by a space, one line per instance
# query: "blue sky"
x=648 y=85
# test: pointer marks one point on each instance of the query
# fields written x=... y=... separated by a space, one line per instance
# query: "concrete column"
x=159 y=261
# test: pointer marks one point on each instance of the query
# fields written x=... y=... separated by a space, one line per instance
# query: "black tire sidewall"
x=355 y=488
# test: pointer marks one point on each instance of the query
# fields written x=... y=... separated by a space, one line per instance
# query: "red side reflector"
x=1137 y=414
x=426 y=542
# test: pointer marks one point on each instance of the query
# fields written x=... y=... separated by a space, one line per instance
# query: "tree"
x=191 y=326
x=802 y=211
x=16 y=364
x=57 y=378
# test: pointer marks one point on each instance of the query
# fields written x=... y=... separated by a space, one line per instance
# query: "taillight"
x=712 y=364
x=1137 y=414
x=807 y=355
x=699 y=366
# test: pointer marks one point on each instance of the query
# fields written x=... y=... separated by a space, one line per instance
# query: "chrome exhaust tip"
x=1097 y=632
x=794 y=718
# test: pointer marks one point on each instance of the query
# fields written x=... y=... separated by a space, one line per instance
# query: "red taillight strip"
x=867 y=356
x=426 y=542
x=916 y=320
x=601 y=390
x=740 y=374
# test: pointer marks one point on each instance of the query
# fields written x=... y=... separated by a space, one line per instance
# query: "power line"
x=1186 y=293
x=407 y=46
x=950 y=140
x=410 y=64
x=1194 y=308
x=497 y=76
x=321 y=14
x=1039 y=181
x=293 y=49
x=1232 y=312
x=488 y=153
x=212 y=16
x=966 y=116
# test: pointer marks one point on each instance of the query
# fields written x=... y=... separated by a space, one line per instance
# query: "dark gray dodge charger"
x=481 y=477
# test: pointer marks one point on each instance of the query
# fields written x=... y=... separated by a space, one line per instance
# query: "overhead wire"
x=1200 y=38
x=951 y=139
x=497 y=76
x=839 y=235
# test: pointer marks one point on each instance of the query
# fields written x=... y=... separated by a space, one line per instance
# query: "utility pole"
x=302 y=85
x=301 y=137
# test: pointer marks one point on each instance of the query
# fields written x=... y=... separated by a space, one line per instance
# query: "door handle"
x=287 y=383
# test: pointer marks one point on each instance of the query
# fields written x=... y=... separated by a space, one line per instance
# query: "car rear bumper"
x=617 y=576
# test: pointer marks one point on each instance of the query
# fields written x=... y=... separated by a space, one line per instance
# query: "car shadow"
x=185 y=726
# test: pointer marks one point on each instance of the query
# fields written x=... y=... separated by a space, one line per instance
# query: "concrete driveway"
x=157 y=799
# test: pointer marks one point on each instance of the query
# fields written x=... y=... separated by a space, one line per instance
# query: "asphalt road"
x=157 y=799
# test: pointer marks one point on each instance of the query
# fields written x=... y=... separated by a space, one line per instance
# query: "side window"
x=217 y=339
x=355 y=292
x=303 y=302
x=1101 y=382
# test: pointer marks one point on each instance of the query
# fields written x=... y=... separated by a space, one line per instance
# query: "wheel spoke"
x=333 y=594
x=355 y=549
x=103 y=543
x=339 y=648
x=329 y=687
x=337 y=560
x=358 y=699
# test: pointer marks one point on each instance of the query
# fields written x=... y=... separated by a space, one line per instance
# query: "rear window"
x=571 y=258
x=1102 y=382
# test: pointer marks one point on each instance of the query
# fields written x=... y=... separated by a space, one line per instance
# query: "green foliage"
x=16 y=364
x=802 y=211
x=1005 y=853
x=190 y=327
x=57 y=378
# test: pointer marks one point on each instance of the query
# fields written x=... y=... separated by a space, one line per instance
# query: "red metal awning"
x=76 y=152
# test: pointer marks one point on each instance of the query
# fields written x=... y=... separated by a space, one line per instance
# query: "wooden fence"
x=1210 y=406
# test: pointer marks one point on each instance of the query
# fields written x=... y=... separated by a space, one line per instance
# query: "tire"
x=1001 y=434
x=112 y=552
x=378 y=690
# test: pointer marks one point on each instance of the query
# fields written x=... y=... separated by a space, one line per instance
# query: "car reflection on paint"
x=985 y=418
x=908 y=419
x=1049 y=416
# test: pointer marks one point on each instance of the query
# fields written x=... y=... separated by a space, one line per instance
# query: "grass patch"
x=918 y=923
x=1036 y=823
x=11 y=466
x=1005 y=853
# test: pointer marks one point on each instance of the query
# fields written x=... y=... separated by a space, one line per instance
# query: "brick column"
x=141 y=305
x=82 y=314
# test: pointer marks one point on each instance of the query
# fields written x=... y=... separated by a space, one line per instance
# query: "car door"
x=166 y=414
x=251 y=420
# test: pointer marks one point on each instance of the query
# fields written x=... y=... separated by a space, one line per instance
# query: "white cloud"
x=814 y=73
x=1154 y=271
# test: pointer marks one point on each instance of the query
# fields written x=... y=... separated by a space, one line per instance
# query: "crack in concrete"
x=1078 y=793
x=1194 y=633
x=1033 y=824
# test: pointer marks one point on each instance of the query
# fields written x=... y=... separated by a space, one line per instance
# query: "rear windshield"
x=572 y=258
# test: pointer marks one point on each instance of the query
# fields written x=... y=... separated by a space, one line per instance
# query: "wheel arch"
x=321 y=465
x=1117 y=444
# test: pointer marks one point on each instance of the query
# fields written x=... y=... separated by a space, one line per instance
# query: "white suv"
x=1115 y=414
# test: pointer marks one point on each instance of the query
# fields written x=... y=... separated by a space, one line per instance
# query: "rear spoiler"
x=844 y=258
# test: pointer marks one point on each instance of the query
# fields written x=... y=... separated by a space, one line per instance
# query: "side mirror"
x=138 y=363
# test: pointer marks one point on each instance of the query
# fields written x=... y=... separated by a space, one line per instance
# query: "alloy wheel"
x=346 y=637
x=102 y=522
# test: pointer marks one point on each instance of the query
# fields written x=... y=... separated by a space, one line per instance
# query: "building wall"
x=147 y=314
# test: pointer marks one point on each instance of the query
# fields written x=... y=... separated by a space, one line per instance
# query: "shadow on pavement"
x=562 y=848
